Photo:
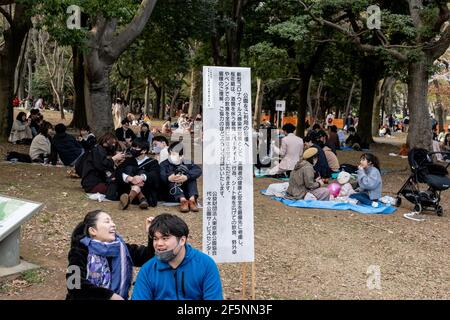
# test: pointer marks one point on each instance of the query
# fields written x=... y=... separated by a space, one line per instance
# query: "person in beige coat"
x=41 y=145
x=302 y=178
x=21 y=131
x=290 y=151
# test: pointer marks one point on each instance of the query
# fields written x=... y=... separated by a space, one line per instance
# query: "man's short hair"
x=176 y=147
x=316 y=126
x=161 y=139
x=141 y=144
x=125 y=121
x=307 y=139
x=60 y=128
x=34 y=112
x=288 y=127
x=168 y=224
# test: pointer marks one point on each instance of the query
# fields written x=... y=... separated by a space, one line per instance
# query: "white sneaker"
x=375 y=204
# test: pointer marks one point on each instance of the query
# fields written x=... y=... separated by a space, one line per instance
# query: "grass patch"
x=32 y=276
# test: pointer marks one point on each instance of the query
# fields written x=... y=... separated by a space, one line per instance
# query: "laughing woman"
x=101 y=260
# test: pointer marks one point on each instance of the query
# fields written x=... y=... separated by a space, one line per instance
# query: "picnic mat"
x=333 y=205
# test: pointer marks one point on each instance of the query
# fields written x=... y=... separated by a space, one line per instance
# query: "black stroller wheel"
x=439 y=211
x=398 y=202
x=418 y=208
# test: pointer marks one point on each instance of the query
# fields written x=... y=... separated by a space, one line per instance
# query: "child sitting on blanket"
x=369 y=181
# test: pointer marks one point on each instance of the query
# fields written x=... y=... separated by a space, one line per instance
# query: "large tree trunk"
x=196 y=85
x=13 y=37
x=105 y=48
x=162 y=109
x=147 y=96
x=156 y=108
x=258 y=102
x=79 y=115
x=370 y=74
x=303 y=96
x=377 y=107
x=419 y=133
x=349 y=100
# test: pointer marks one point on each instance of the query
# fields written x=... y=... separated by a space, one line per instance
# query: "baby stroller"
x=423 y=170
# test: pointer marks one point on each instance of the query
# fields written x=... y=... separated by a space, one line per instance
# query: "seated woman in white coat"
x=290 y=151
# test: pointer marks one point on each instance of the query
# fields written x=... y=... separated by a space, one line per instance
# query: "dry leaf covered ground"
x=300 y=253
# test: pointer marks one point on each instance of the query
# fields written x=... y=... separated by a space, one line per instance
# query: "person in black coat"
x=65 y=146
x=321 y=166
x=138 y=177
x=354 y=140
x=98 y=167
x=125 y=135
x=180 y=179
x=100 y=262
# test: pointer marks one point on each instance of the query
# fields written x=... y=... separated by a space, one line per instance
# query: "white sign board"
x=13 y=212
x=280 y=105
x=227 y=165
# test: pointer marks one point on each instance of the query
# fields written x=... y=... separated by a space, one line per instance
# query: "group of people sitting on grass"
x=129 y=174
x=311 y=162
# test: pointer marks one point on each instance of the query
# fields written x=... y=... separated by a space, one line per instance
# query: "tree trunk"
x=349 y=101
x=79 y=114
x=158 y=91
x=303 y=97
x=439 y=107
x=419 y=133
x=258 y=103
x=377 y=107
x=369 y=80
x=9 y=54
x=173 y=102
x=194 y=98
x=147 y=96
x=30 y=78
x=162 y=109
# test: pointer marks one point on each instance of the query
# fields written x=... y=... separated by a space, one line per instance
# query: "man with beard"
x=138 y=177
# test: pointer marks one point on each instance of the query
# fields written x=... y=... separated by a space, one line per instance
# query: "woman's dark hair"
x=176 y=147
x=82 y=229
x=144 y=124
x=316 y=126
x=371 y=159
x=86 y=128
x=44 y=127
x=60 y=128
x=288 y=127
x=333 y=128
x=168 y=224
x=104 y=138
x=20 y=115
x=445 y=139
x=351 y=129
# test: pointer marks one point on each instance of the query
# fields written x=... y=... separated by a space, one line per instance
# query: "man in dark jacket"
x=125 y=135
x=65 y=146
x=354 y=140
x=180 y=179
x=99 y=166
x=138 y=177
x=321 y=166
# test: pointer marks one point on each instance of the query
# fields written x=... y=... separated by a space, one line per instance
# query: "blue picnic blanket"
x=332 y=205
x=347 y=148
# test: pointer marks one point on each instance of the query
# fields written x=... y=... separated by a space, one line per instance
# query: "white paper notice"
x=227 y=165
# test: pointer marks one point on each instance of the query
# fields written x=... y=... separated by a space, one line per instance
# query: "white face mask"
x=176 y=160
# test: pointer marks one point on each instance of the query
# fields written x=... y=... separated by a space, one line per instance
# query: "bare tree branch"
x=134 y=28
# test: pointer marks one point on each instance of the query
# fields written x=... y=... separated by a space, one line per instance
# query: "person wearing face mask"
x=290 y=151
x=178 y=271
x=100 y=262
x=98 y=167
x=138 y=177
x=41 y=146
x=161 y=148
x=303 y=181
x=180 y=179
